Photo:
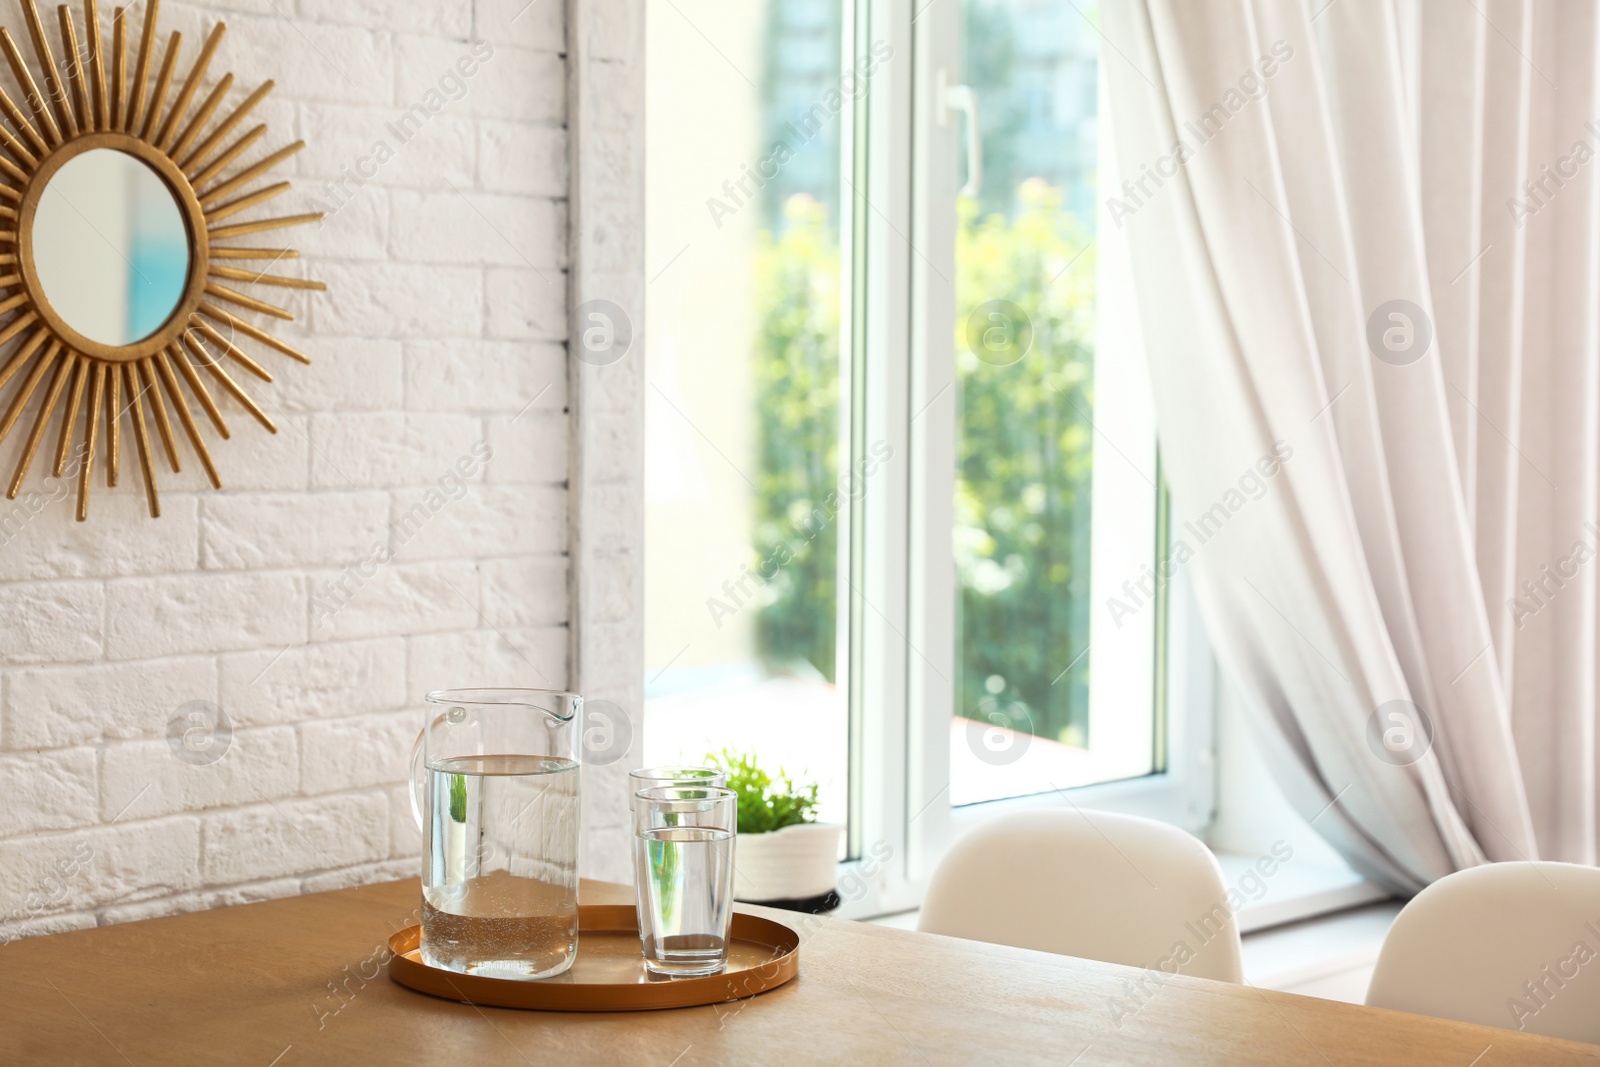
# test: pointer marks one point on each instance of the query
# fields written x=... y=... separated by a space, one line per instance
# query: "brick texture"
x=444 y=329
x=606 y=135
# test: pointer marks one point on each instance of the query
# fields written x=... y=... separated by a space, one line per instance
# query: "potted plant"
x=784 y=858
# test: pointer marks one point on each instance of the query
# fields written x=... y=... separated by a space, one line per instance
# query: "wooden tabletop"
x=299 y=981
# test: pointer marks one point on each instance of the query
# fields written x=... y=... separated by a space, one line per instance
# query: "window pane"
x=745 y=518
x=1028 y=452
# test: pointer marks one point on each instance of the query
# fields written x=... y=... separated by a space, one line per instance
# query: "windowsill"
x=1295 y=891
x=1314 y=930
x=900 y=920
x=1328 y=956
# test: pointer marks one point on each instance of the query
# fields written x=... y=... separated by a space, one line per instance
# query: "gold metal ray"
x=262 y=225
x=252 y=253
x=30 y=90
x=169 y=128
x=119 y=65
x=47 y=62
x=97 y=67
x=214 y=365
x=158 y=95
x=233 y=350
x=186 y=417
x=148 y=376
x=142 y=442
x=97 y=372
x=233 y=152
x=80 y=376
x=20 y=122
x=198 y=387
x=80 y=112
x=40 y=422
x=24 y=352
x=113 y=421
x=222 y=292
x=217 y=314
x=244 y=177
x=243 y=203
x=238 y=275
x=25 y=393
x=202 y=116
x=16 y=326
x=17 y=150
x=198 y=156
x=141 y=68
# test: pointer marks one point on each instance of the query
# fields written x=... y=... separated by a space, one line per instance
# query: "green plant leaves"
x=765 y=805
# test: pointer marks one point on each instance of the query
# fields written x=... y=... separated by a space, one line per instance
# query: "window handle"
x=961 y=98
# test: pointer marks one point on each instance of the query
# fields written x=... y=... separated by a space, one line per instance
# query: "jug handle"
x=417 y=784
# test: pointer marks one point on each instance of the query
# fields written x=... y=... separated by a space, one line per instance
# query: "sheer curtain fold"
x=1367 y=250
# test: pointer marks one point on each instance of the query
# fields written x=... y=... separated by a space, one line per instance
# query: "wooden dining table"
x=303 y=980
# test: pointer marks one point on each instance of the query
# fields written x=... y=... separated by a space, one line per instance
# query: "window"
x=1031 y=471
x=902 y=505
x=748 y=485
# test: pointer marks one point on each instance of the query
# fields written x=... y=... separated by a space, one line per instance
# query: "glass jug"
x=494 y=787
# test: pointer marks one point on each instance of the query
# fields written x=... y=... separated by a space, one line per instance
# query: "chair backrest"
x=1106 y=887
x=1515 y=945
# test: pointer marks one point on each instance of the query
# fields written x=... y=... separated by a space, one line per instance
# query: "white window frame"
x=902 y=589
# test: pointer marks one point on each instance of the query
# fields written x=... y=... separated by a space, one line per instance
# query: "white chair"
x=1104 y=887
x=1515 y=945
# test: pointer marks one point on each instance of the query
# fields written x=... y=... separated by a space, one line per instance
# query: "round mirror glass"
x=110 y=247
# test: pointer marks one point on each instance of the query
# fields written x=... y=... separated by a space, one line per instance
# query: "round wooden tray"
x=609 y=973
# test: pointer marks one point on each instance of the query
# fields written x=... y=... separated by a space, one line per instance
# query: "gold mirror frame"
x=79 y=111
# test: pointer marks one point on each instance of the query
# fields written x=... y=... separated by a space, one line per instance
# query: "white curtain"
x=1365 y=236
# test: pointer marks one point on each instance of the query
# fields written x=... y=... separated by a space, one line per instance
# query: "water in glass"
x=685 y=885
x=500 y=874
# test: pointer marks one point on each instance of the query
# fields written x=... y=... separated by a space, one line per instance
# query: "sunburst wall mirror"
x=119 y=261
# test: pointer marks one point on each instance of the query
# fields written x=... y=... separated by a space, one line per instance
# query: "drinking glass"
x=683 y=876
x=494 y=787
x=660 y=777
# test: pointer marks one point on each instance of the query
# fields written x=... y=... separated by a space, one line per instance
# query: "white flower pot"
x=793 y=863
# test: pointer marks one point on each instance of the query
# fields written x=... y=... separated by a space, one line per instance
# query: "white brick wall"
x=445 y=325
x=606 y=132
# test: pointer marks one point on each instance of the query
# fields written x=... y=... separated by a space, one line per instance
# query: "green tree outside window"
x=1024 y=459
